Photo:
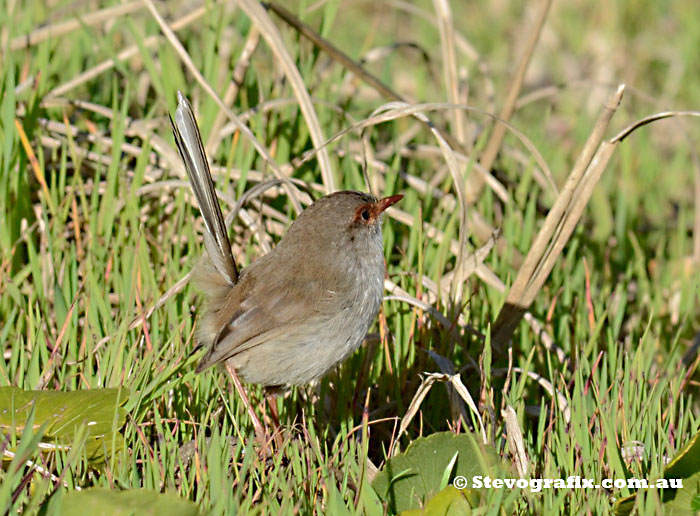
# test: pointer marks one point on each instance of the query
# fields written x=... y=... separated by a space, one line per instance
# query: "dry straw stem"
x=187 y=61
x=428 y=151
x=558 y=225
x=449 y=61
x=562 y=404
x=475 y=183
x=34 y=162
x=64 y=27
x=335 y=53
x=515 y=441
x=399 y=109
x=354 y=67
x=239 y=71
x=648 y=120
x=478 y=225
x=457 y=408
x=462 y=44
x=272 y=36
x=556 y=395
x=392 y=111
x=33 y=466
x=71 y=131
x=427 y=382
x=161 y=151
x=433 y=293
x=132 y=127
x=125 y=54
x=451 y=160
x=694 y=156
x=398 y=294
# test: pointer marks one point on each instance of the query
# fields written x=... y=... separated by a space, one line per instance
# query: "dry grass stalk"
x=268 y=30
x=426 y=384
x=59 y=29
x=557 y=395
x=251 y=43
x=245 y=131
x=335 y=53
x=449 y=64
x=515 y=441
x=558 y=225
x=475 y=183
x=694 y=156
x=356 y=69
x=466 y=48
x=125 y=54
x=457 y=408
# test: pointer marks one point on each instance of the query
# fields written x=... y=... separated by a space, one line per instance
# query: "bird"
x=293 y=314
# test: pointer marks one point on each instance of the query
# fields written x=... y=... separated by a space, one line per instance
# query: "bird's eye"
x=365 y=214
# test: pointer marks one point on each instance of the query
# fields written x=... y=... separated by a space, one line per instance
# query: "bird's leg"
x=261 y=434
x=272 y=403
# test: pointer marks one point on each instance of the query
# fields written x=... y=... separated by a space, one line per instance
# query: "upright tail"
x=189 y=144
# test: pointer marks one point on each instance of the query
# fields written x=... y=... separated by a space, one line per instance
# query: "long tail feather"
x=189 y=144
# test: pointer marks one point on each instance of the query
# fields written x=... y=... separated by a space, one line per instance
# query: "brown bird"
x=293 y=314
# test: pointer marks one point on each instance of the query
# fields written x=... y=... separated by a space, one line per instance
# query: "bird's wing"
x=265 y=311
x=233 y=344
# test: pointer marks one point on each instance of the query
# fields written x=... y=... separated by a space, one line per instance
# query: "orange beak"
x=383 y=204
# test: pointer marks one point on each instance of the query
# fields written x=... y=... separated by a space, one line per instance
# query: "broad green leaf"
x=682 y=501
x=62 y=414
x=105 y=502
x=687 y=461
x=370 y=504
x=448 y=502
x=686 y=466
x=411 y=478
x=336 y=504
x=624 y=506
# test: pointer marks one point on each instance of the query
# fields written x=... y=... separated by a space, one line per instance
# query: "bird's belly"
x=308 y=351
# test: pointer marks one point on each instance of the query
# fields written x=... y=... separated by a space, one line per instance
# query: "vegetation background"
x=97 y=225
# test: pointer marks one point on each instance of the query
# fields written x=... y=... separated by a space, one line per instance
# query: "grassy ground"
x=97 y=229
